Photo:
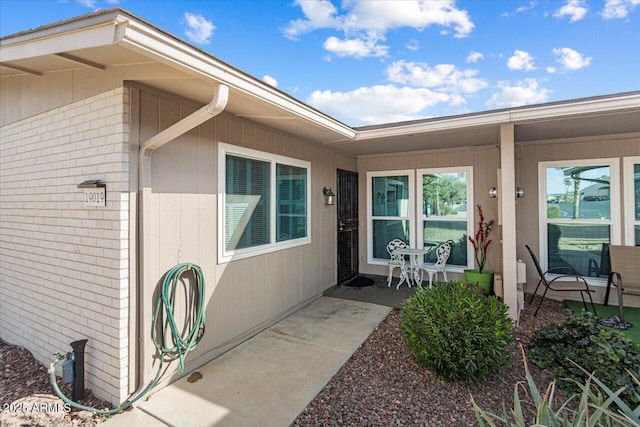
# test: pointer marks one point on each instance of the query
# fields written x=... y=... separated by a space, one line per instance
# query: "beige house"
x=125 y=151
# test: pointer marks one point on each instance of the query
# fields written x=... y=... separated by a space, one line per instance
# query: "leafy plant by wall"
x=456 y=332
x=611 y=355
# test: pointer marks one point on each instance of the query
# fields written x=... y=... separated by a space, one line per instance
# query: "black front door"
x=347 y=198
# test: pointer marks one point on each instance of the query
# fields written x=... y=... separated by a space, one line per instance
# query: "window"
x=439 y=201
x=632 y=200
x=579 y=213
x=257 y=213
x=390 y=209
x=444 y=197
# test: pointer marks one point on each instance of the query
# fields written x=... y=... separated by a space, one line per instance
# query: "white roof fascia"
x=436 y=125
x=172 y=52
x=580 y=107
x=515 y=115
x=101 y=34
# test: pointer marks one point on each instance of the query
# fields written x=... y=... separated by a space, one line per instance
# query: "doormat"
x=359 y=282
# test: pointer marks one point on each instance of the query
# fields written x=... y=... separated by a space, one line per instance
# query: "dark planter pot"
x=482 y=281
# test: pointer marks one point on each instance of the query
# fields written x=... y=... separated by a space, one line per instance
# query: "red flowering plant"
x=481 y=241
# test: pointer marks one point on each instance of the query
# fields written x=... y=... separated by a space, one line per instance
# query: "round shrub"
x=457 y=333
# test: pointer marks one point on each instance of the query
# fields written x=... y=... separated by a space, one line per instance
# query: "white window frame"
x=411 y=218
x=628 y=179
x=224 y=255
x=470 y=210
x=614 y=202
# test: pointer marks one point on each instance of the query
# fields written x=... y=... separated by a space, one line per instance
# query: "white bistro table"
x=411 y=271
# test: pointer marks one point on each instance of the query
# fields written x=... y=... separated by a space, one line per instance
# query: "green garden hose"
x=181 y=345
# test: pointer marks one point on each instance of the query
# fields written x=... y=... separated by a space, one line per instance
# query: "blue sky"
x=369 y=62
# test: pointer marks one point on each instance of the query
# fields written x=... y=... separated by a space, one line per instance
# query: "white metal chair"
x=396 y=260
x=442 y=252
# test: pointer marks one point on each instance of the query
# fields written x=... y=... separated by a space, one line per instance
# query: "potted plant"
x=481 y=278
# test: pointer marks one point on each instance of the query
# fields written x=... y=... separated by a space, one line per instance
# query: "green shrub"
x=594 y=405
x=611 y=355
x=457 y=333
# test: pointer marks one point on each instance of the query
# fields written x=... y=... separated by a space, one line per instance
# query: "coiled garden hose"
x=182 y=345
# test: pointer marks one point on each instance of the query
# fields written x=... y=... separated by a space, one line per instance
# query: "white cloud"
x=618 y=8
x=378 y=104
x=443 y=77
x=571 y=59
x=575 y=9
x=199 y=29
x=357 y=48
x=318 y=13
x=270 y=80
x=524 y=92
x=413 y=88
x=365 y=22
x=521 y=9
x=531 y=5
x=88 y=3
x=551 y=70
x=521 y=60
x=474 y=57
x=413 y=45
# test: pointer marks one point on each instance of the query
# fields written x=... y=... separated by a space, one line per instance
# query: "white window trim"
x=614 y=201
x=411 y=174
x=628 y=180
x=470 y=210
x=225 y=256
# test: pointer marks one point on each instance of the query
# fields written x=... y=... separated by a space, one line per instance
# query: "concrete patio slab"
x=269 y=379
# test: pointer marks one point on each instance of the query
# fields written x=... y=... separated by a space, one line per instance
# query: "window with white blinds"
x=263 y=202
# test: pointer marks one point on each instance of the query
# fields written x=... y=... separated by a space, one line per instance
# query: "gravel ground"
x=27 y=398
x=380 y=385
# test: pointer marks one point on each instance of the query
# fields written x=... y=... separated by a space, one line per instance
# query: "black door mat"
x=358 y=282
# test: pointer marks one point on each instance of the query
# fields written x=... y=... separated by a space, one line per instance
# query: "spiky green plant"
x=597 y=405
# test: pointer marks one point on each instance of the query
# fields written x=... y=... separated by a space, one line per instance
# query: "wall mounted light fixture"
x=519 y=192
x=329 y=197
x=493 y=192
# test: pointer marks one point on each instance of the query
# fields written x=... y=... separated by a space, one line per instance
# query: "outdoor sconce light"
x=519 y=192
x=329 y=197
x=493 y=192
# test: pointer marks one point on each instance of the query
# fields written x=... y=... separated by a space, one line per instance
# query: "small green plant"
x=594 y=405
x=456 y=332
x=609 y=354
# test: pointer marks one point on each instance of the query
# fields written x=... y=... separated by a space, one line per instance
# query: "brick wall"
x=63 y=267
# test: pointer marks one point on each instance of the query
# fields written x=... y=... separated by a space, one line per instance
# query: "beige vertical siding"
x=243 y=295
x=63 y=267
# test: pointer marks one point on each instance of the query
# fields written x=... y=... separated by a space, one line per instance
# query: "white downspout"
x=215 y=107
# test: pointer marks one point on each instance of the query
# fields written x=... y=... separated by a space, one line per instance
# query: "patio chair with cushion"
x=442 y=252
x=396 y=260
x=560 y=279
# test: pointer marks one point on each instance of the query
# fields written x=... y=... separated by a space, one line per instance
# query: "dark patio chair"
x=559 y=283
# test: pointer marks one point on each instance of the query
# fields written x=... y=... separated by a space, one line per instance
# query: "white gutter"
x=155 y=44
x=215 y=107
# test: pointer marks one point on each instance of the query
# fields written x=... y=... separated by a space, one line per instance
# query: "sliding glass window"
x=579 y=213
x=390 y=210
x=631 y=173
x=444 y=201
x=263 y=202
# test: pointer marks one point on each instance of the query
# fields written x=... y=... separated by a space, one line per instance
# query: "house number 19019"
x=95 y=197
